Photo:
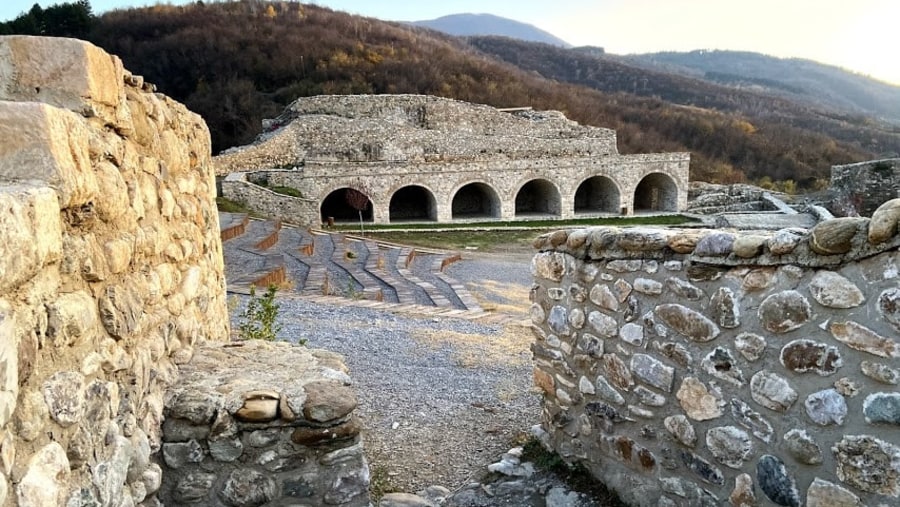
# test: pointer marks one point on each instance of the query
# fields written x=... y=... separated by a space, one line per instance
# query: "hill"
x=798 y=79
x=237 y=63
x=488 y=24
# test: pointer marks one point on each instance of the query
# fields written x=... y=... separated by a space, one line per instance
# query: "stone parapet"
x=289 y=209
x=687 y=368
x=253 y=423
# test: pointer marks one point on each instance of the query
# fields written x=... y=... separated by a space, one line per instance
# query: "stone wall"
x=293 y=210
x=688 y=368
x=524 y=163
x=858 y=189
x=110 y=271
x=255 y=423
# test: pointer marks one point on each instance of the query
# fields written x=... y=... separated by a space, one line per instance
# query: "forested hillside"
x=236 y=63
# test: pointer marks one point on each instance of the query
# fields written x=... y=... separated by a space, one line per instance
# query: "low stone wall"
x=293 y=210
x=253 y=423
x=709 y=367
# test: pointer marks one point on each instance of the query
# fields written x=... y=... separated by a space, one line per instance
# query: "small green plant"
x=258 y=320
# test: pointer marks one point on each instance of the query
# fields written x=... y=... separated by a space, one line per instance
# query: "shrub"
x=258 y=319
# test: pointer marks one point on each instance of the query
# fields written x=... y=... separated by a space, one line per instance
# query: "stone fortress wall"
x=113 y=316
x=706 y=367
x=427 y=158
x=110 y=272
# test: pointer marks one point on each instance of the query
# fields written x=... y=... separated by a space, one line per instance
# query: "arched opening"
x=538 y=197
x=412 y=203
x=597 y=194
x=341 y=206
x=475 y=200
x=656 y=192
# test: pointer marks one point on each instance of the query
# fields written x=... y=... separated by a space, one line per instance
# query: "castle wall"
x=110 y=271
x=688 y=368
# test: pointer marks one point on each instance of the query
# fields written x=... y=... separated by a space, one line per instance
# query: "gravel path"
x=440 y=399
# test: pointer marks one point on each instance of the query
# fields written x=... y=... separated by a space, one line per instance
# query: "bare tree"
x=357 y=196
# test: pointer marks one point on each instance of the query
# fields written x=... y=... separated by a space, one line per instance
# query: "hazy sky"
x=859 y=35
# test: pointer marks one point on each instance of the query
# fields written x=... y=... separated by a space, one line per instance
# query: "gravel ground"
x=440 y=399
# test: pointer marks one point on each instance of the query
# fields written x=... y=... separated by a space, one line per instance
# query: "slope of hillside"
x=821 y=84
x=236 y=63
x=488 y=24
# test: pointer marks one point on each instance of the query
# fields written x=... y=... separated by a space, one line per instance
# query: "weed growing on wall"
x=258 y=320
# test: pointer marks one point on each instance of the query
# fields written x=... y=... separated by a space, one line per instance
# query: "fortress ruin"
x=424 y=158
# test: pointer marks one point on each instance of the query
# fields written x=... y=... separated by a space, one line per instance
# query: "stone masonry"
x=428 y=158
x=709 y=367
x=255 y=423
x=858 y=189
x=111 y=282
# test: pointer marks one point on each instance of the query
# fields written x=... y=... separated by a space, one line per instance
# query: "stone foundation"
x=689 y=368
x=253 y=423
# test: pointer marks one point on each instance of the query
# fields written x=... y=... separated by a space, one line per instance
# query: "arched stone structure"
x=656 y=192
x=597 y=194
x=336 y=205
x=475 y=200
x=524 y=162
x=538 y=197
x=412 y=203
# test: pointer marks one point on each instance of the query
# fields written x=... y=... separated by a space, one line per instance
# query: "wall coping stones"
x=829 y=243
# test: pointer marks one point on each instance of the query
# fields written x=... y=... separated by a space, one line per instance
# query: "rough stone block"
x=31 y=231
x=43 y=143
x=66 y=73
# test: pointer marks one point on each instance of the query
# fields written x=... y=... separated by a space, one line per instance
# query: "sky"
x=858 y=35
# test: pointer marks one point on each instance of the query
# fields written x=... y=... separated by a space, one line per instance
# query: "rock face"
x=110 y=267
x=438 y=147
x=765 y=377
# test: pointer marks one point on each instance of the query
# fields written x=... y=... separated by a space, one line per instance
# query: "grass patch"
x=577 y=477
x=500 y=237
x=380 y=482
x=675 y=219
x=229 y=206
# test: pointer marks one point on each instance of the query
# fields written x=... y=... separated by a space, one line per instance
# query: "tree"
x=357 y=196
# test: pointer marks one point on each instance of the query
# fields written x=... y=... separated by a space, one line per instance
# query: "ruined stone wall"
x=110 y=271
x=256 y=422
x=688 y=368
x=294 y=210
x=443 y=180
x=858 y=189
x=388 y=142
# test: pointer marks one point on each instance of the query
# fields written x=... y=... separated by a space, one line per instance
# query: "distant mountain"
x=465 y=25
x=806 y=80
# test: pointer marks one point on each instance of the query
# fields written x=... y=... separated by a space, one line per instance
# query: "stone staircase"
x=343 y=269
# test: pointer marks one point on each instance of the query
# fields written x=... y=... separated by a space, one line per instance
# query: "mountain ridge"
x=469 y=24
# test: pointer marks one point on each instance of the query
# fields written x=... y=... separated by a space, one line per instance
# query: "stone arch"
x=538 y=197
x=656 y=192
x=475 y=200
x=598 y=194
x=335 y=206
x=412 y=202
